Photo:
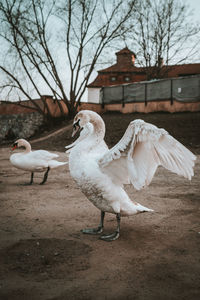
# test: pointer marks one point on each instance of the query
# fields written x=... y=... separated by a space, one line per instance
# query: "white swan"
x=101 y=173
x=34 y=161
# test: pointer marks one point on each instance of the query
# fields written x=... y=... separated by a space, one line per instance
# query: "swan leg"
x=45 y=176
x=97 y=230
x=31 y=181
x=113 y=236
x=32 y=174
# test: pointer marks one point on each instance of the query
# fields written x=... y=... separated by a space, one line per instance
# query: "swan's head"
x=87 y=116
x=20 y=143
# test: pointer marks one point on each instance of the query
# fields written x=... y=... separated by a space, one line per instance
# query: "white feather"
x=101 y=172
x=147 y=148
x=34 y=161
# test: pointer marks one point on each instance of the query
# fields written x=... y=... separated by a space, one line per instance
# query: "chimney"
x=125 y=57
x=133 y=59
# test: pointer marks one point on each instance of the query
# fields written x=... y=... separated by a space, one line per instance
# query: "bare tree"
x=52 y=47
x=164 y=33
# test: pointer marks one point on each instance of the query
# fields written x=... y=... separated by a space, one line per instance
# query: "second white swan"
x=34 y=161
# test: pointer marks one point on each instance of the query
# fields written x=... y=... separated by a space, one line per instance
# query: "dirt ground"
x=44 y=256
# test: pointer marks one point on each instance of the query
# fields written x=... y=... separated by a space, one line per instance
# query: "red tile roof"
x=125 y=51
x=122 y=68
x=125 y=67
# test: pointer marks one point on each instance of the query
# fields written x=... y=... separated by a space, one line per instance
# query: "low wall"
x=153 y=106
x=54 y=107
x=10 y=108
x=17 y=121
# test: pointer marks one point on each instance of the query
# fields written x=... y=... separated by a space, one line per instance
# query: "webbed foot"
x=110 y=237
x=92 y=230
x=115 y=235
x=97 y=230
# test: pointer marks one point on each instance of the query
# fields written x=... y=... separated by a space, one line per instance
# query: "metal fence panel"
x=134 y=92
x=159 y=90
x=113 y=94
x=184 y=89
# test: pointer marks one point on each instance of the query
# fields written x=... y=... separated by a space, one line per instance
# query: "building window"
x=113 y=78
x=127 y=78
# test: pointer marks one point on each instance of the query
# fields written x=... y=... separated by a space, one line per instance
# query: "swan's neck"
x=27 y=147
x=98 y=128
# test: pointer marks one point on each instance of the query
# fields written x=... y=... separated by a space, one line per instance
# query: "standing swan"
x=34 y=161
x=101 y=173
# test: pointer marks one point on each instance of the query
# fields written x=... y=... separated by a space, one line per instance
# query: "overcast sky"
x=194 y=4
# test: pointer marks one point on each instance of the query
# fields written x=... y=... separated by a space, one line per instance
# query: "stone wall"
x=19 y=125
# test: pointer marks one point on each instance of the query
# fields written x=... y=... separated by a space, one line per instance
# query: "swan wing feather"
x=141 y=150
x=43 y=155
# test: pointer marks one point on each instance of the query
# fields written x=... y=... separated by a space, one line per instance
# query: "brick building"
x=124 y=71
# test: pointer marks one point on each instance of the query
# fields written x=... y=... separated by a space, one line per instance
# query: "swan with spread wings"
x=101 y=172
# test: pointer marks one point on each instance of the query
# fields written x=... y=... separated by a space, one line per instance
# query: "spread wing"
x=141 y=150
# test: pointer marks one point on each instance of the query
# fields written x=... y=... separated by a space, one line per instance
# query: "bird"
x=101 y=173
x=34 y=161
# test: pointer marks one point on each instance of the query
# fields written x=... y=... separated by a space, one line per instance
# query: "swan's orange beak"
x=14 y=147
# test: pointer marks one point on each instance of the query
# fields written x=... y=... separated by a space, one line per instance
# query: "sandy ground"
x=43 y=254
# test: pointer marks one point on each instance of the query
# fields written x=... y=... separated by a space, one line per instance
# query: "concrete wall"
x=54 y=107
x=152 y=106
x=93 y=95
x=10 y=108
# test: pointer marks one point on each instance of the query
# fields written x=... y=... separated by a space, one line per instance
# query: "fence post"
x=171 y=92
x=145 y=100
x=123 y=104
x=102 y=97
